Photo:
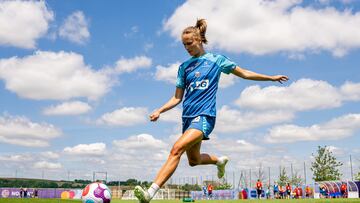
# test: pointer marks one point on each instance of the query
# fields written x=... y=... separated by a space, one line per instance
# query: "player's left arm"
x=249 y=75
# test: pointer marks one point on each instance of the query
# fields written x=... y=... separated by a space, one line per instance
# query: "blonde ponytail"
x=199 y=30
x=201 y=25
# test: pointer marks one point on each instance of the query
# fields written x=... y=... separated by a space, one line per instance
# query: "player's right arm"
x=173 y=101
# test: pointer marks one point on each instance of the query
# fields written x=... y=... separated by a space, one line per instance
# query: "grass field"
x=4 y=200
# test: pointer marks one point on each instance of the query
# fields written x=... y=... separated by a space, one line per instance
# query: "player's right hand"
x=154 y=116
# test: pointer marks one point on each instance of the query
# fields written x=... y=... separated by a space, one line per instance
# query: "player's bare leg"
x=196 y=158
x=187 y=140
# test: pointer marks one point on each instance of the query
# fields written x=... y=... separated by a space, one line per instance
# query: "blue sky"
x=78 y=80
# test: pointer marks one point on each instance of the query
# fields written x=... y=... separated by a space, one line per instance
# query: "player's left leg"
x=196 y=158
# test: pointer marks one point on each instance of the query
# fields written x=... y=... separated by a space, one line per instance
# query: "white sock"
x=220 y=161
x=153 y=189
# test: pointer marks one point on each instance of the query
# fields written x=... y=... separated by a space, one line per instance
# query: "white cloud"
x=16 y=158
x=335 y=129
x=351 y=91
x=30 y=77
x=23 y=22
x=226 y=80
x=167 y=74
x=97 y=149
x=21 y=131
x=142 y=141
x=304 y=94
x=75 y=28
x=173 y=115
x=336 y=150
x=144 y=148
x=236 y=146
x=126 y=116
x=47 y=165
x=68 y=108
x=130 y=65
x=239 y=26
x=50 y=155
x=231 y=120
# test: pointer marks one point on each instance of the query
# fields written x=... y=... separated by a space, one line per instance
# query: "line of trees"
x=325 y=167
x=31 y=183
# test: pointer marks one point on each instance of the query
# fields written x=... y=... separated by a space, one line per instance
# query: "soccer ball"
x=96 y=193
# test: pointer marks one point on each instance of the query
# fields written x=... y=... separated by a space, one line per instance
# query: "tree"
x=296 y=179
x=132 y=182
x=225 y=186
x=260 y=174
x=325 y=165
x=357 y=177
x=283 y=178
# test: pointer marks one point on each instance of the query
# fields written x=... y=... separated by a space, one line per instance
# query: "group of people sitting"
x=325 y=193
x=283 y=192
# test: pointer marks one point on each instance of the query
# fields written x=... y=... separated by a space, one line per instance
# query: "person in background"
x=36 y=193
x=258 y=188
x=276 y=190
x=210 y=190
x=282 y=192
x=343 y=190
x=25 y=193
x=323 y=192
x=204 y=188
x=298 y=192
x=288 y=191
x=307 y=192
x=21 y=192
x=244 y=194
x=267 y=193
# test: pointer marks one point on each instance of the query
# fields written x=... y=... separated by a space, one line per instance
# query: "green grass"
x=13 y=200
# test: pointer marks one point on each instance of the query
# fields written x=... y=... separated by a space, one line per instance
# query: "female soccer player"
x=198 y=78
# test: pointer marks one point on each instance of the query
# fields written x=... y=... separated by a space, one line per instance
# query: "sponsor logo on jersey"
x=196 y=119
x=189 y=69
x=199 y=85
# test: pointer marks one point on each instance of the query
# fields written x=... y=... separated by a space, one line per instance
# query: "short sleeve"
x=226 y=64
x=180 y=80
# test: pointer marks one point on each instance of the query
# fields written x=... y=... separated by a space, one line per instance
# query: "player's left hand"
x=280 y=78
x=154 y=116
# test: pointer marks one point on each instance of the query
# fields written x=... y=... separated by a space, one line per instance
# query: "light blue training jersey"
x=200 y=76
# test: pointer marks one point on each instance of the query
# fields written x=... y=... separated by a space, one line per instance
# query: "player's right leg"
x=187 y=140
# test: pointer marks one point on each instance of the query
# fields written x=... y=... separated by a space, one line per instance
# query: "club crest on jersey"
x=197 y=74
